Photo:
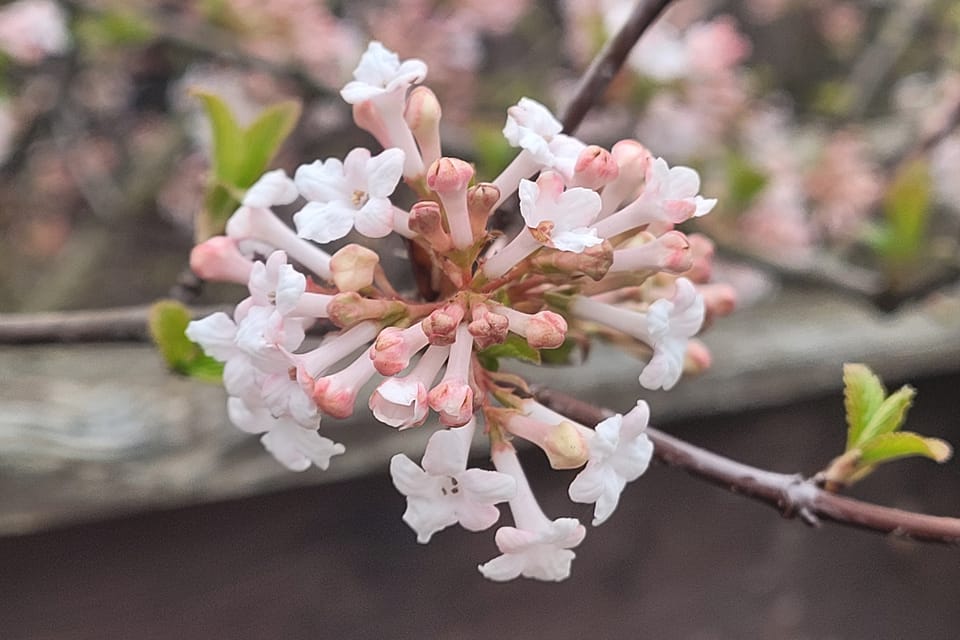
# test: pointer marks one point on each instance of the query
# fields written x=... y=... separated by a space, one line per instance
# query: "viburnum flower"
x=444 y=491
x=555 y=218
x=348 y=194
x=596 y=256
x=536 y=547
x=620 y=452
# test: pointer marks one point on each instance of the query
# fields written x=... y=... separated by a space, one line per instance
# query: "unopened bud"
x=702 y=251
x=353 y=267
x=449 y=178
x=595 y=168
x=697 y=359
x=594 y=262
x=565 y=447
x=482 y=200
x=348 y=308
x=670 y=252
x=393 y=348
x=427 y=220
x=219 y=259
x=423 y=117
x=453 y=401
x=488 y=328
x=441 y=325
x=546 y=330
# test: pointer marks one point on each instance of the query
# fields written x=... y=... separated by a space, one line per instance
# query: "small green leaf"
x=263 y=139
x=863 y=394
x=240 y=156
x=906 y=209
x=561 y=355
x=746 y=182
x=514 y=347
x=903 y=444
x=890 y=415
x=168 y=320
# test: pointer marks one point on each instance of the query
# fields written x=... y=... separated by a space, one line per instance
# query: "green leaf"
x=240 y=156
x=890 y=415
x=561 y=355
x=903 y=444
x=263 y=139
x=514 y=347
x=863 y=393
x=746 y=181
x=168 y=320
x=906 y=209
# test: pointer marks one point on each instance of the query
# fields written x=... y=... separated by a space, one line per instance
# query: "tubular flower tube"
x=439 y=352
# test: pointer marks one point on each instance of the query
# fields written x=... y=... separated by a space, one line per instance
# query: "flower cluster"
x=597 y=253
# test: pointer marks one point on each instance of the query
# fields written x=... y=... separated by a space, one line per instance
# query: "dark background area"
x=679 y=559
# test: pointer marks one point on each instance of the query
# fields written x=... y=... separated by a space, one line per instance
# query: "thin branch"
x=106 y=325
x=594 y=82
x=792 y=495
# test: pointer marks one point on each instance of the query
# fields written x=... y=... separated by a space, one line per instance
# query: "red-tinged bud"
x=482 y=200
x=698 y=358
x=453 y=401
x=393 y=348
x=427 y=220
x=670 y=253
x=488 y=328
x=349 y=308
x=720 y=299
x=353 y=267
x=702 y=251
x=546 y=330
x=595 y=168
x=632 y=160
x=440 y=326
x=423 y=117
x=449 y=178
x=336 y=394
x=219 y=259
x=594 y=262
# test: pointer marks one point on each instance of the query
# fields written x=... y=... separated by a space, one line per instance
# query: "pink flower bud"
x=670 y=252
x=482 y=200
x=595 y=168
x=449 y=178
x=632 y=160
x=353 y=267
x=702 y=251
x=563 y=442
x=453 y=401
x=440 y=326
x=219 y=259
x=488 y=328
x=426 y=219
x=336 y=394
x=594 y=262
x=698 y=358
x=394 y=347
x=423 y=117
x=720 y=299
x=546 y=330
x=349 y=308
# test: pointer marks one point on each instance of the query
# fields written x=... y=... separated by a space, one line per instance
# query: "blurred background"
x=130 y=507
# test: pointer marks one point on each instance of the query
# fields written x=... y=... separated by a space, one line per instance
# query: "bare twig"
x=107 y=325
x=792 y=495
x=607 y=63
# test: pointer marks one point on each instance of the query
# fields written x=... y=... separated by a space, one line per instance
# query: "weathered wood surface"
x=87 y=431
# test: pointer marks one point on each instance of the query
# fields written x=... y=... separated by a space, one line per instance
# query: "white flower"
x=620 y=452
x=276 y=283
x=295 y=447
x=543 y=554
x=558 y=218
x=672 y=323
x=532 y=127
x=674 y=191
x=352 y=193
x=537 y=547
x=380 y=72
x=444 y=491
x=30 y=30
x=273 y=188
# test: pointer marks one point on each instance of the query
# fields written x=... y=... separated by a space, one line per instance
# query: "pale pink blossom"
x=276 y=283
x=31 y=30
